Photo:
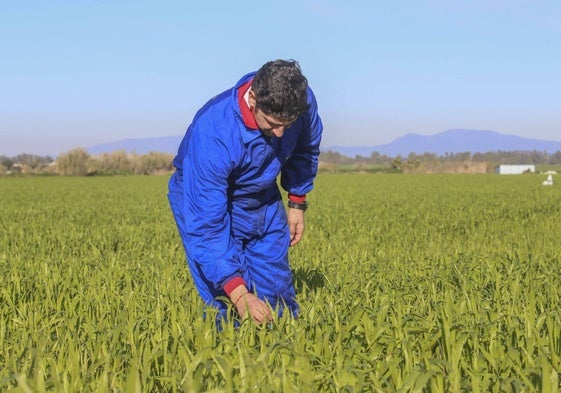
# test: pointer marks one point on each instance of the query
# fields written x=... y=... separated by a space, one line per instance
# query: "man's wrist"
x=237 y=294
x=298 y=205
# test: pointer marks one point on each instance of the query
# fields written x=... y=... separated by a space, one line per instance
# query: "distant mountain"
x=165 y=144
x=451 y=141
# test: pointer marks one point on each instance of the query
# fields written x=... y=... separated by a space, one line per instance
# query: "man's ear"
x=251 y=99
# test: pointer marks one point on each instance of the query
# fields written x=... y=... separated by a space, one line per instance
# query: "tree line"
x=78 y=162
x=516 y=157
x=432 y=162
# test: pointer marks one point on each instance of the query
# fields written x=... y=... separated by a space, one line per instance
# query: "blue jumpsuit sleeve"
x=207 y=165
x=300 y=170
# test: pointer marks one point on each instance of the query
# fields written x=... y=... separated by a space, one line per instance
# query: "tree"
x=555 y=158
x=76 y=162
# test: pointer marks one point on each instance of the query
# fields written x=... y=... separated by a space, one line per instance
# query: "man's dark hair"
x=281 y=90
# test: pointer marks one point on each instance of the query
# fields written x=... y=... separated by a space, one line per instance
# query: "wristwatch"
x=300 y=206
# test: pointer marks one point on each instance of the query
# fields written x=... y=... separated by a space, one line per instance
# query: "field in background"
x=440 y=283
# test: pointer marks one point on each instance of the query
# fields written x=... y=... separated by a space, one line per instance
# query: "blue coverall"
x=226 y=202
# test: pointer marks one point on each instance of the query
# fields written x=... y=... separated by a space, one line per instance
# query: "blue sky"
x=79 y=73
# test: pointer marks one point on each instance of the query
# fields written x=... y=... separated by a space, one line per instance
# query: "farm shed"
x=515 y=169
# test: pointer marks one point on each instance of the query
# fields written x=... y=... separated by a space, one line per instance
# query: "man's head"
x=278 y=95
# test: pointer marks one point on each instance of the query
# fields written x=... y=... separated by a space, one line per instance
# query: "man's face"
x=269 y=125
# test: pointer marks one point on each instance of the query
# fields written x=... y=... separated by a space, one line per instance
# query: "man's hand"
x=247 y=303
x=296 y=225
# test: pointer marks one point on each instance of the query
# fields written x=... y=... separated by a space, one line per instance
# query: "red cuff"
x=297 y=198
x=233 y=284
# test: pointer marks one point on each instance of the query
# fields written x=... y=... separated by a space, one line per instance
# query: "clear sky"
x=82 y=72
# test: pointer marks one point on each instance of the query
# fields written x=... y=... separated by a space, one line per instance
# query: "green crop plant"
x=407 y=283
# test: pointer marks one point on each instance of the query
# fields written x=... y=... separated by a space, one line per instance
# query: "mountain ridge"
x=450 y=141
x=163 y=144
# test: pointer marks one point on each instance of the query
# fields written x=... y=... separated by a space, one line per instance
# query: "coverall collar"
x=248 y=134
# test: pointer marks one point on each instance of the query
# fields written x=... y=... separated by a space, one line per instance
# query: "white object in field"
x=549 y=181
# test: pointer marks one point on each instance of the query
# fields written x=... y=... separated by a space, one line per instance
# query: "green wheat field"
x=407 y=283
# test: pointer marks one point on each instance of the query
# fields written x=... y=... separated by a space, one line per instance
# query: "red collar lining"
x=247 y=115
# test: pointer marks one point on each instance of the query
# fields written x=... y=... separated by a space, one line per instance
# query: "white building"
x=515 y=169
